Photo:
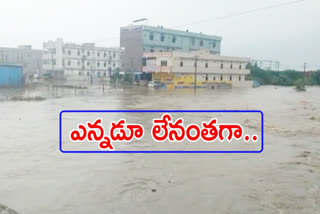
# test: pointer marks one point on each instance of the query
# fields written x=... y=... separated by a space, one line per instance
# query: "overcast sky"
x=290 y=34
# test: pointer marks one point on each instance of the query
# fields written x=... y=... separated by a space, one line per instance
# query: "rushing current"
x=35 y=177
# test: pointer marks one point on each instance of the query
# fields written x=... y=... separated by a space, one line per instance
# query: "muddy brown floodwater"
x=35 y=177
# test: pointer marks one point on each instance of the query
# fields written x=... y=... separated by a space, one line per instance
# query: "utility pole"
x=52 y=66
x=51 y=50
x=195 y=72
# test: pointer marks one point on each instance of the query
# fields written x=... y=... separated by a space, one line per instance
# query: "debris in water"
x=21 y=98
x=7 y=210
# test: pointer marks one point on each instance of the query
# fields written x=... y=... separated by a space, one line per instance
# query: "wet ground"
x=35 y=177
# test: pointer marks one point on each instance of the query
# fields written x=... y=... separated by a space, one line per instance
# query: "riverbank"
x=284 y=78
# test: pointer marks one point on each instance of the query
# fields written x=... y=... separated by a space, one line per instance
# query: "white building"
x=73 y=61
x=267 y=64
x=180 y=68
x=30 y=59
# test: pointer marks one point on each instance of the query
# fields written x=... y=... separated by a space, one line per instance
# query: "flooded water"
x=35 y=177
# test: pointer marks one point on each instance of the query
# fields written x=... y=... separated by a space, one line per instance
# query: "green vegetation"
x=274 y=77
x=314 y=78
x=285 y=78
x=300 y=85
x=126 y=78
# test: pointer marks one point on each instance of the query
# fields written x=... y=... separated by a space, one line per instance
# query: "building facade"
x=137 y=39
x=30 y=59
x=179 y=69
x=73 y=61
x=267 y=64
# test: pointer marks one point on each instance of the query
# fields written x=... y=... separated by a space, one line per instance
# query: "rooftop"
x=161 y=29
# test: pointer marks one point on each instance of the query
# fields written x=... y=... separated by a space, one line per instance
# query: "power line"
x=223 y=17
x=241 y=13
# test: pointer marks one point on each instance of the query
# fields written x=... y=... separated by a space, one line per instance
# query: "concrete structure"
x=28 y=58
x=75 y=62
x=137 y=39
x=178 y=68
x=267 y=64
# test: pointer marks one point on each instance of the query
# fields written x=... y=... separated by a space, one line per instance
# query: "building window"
x=231 y=66
x=114 y=65
x=164 y=63
x=78 y=63
x=193 y=42
x=240 y=67
x=214 y=44
x=206 y=77
x=239 y=77
x=151 y=50
x=201 y=42
x=162 y=37
x=98 y=64
x=105 y=64
x=88 y=64
x=214 y=77
x=151 y=36
x=230 y=78
x=144 y=61
x=221 y=77
x=206 y=65
x=69 y=52
x=174 y=39
x=114 y=55
x=69 y=62
x=221 y=66
x=98 y=54
x=105 y=55
x=181 y=64
x=78 y=53
x=88 y=54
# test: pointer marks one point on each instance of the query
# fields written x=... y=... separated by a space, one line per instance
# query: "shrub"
x=300 y=85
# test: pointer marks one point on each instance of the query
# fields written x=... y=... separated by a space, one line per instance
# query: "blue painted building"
x=11 y=76
x=137 y=39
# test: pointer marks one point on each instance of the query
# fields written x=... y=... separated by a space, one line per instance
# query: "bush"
x=127 y=78
x=116 y=76
x=274 y=77
x=300 y=85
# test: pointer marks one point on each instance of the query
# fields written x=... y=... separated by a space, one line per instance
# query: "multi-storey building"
x=137 y=39
x=182 y=69
x=73 y=61
x=267 y=64
x=30 y=59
